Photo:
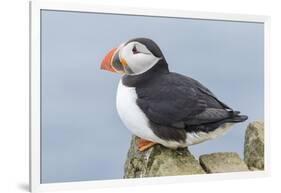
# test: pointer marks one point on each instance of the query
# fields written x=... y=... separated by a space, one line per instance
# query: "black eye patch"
x=134 y=50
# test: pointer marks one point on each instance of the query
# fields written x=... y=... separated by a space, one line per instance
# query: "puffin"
x=163 y=107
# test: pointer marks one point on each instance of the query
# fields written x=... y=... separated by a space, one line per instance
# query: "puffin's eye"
x=134 y=50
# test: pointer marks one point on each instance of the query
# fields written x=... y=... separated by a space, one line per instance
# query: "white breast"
x=131 y=115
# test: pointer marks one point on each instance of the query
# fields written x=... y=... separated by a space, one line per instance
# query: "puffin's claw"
x=144 y=144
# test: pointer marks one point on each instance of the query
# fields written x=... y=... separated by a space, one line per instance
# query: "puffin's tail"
x=236 y=118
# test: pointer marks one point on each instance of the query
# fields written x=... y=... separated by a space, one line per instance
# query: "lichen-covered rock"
x=159 y=161
x=254 y=146
x=222 y=162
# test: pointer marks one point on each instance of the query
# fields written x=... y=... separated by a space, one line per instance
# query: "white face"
x=138 y=58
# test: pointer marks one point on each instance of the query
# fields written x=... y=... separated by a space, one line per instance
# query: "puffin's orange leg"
x=144 y=144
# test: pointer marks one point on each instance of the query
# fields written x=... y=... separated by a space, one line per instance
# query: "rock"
x=222 y=162
x=254 y=146
x=159 y=161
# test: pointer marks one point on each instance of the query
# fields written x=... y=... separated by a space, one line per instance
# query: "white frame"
x=35 y=8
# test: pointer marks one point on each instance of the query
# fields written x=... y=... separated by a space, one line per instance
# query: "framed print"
x=123 y=96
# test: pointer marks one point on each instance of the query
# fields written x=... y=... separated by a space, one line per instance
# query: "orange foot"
x=144 y=144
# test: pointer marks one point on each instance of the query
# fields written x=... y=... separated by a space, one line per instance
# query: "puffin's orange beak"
x=106 y=63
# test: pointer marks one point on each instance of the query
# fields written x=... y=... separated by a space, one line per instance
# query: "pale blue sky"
x=82 y=135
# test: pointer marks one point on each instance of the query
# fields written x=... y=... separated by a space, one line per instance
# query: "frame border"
x=35 y=8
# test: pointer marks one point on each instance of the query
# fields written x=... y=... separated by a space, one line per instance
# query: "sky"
x=82 y=136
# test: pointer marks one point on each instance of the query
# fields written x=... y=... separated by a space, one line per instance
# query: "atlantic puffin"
x=163 y=107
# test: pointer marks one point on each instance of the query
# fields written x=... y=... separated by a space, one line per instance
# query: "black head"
x=136 y=56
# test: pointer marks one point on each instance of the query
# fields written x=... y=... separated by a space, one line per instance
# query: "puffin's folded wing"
x=179 y=100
